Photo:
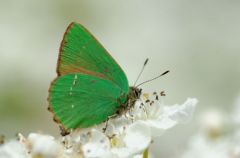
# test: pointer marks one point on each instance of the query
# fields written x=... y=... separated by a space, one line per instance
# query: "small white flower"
x=212 y=123
x=43 y=145
x=98 y=146
x=202 y=147
x=160 y=118
x=13 y=149
x=219 y=137
x=134 y=140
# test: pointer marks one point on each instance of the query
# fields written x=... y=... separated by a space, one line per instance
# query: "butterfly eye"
x=137 y=92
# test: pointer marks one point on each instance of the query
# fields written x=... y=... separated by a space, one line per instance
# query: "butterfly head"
x=134 y=93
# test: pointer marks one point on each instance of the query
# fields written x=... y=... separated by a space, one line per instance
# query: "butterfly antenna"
x=153 y=78
x=145 y=63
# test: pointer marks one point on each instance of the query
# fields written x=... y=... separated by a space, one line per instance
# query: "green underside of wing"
x=81 y=52
x=81 y=100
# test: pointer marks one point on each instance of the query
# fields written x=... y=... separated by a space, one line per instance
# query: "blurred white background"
x=198 y=41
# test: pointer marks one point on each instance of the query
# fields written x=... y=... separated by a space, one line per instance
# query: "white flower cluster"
x=128 y=136
x=219 y=136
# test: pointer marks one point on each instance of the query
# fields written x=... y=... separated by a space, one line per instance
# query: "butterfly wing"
x=82 y=100
x=81 y=52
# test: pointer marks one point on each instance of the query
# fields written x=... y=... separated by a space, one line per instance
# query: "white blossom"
x=201 y=147
x=126 y=136
x=43 y=145
x=160 y=118
x=218 y=137
x=13 y=149
x=98 y=146
x=134 y=140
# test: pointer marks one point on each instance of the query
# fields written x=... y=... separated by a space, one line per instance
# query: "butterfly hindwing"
x=82 y=100
x=81 y=52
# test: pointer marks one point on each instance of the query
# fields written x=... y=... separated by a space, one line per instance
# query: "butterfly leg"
x=64 y=131
x=109 y=117
x=129 y=108
x=105 y=128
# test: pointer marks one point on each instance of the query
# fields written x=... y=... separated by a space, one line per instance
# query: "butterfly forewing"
x=81 y=52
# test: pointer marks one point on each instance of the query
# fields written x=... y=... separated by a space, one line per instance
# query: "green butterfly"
x=91 y=86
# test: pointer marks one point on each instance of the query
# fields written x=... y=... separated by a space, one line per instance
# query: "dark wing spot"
x=49 y=108
x=93 y=81
x=106 y=70
x=56 y=119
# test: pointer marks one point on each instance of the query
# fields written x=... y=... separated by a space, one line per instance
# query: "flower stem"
x=145 y=153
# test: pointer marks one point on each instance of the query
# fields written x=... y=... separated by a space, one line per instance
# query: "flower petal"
x=159 y=126
x=13 y=149
x=138 y=137
x=182 y=113
x=99 y=146
x=44 y=145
